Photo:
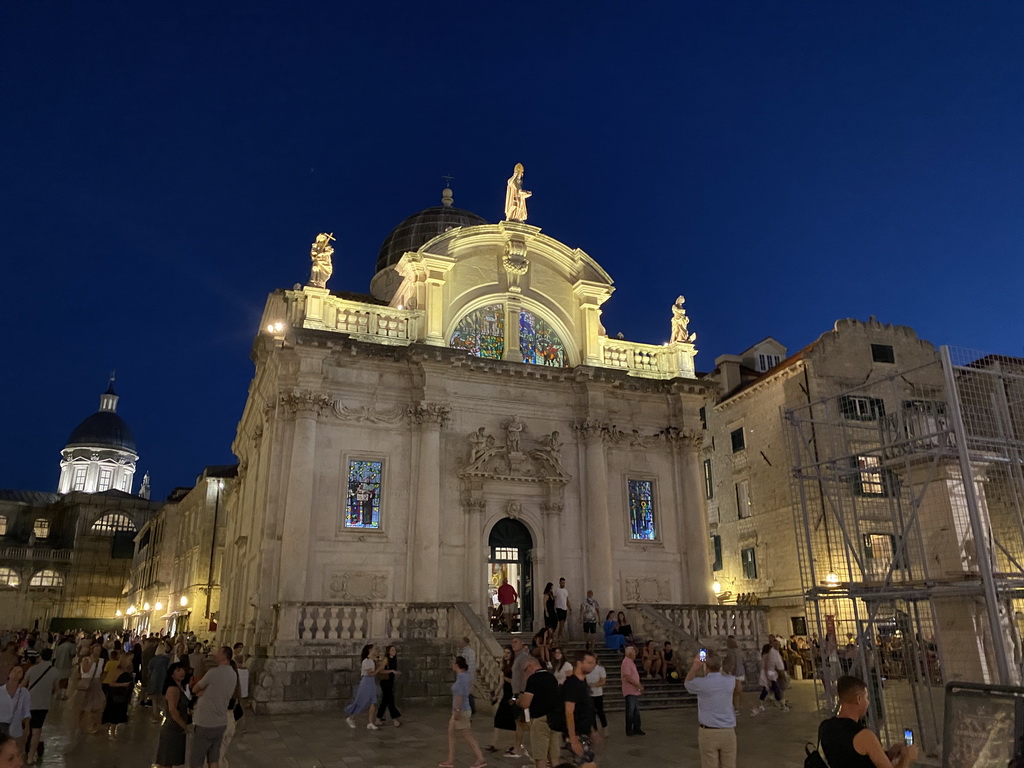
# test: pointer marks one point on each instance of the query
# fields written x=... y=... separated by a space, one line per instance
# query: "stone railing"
x=648 y=360
x=708 y=626
x=36 y=553
x=649 y=624
x=368 y=322
x=322 y=629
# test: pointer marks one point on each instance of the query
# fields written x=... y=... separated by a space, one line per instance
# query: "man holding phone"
x=846 y=743
x=716 y=737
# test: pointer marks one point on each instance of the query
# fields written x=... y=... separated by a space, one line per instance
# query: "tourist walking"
x=388 y=676
x=90 y=690
x=158 y=666
x=596 y=679
x=716 y=734
x=632 y=688
x=507 y=597
x=233 y=715
x=119 y=695
x=210 y=715
x=10 y=754
x=590 y=614
x=467 y=652
x=170 y=750
x=540 y=699
x=42 y=681
x=562 y=609
x=550 y=617
x=64 y=660
x=504 y=714
x=15 y=707
x=771 y=664
x=732 y=664
x=461 y=719
x=580 y=719
x=845 y=743
x=520 y=659
x=366 y=693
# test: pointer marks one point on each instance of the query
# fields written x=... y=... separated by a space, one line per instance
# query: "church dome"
x=104 y=429
x=422 y=227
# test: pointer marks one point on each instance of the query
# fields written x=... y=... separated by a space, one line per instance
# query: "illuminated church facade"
x=468 y=420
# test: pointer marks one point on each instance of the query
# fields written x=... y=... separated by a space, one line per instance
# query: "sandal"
x=446 y=765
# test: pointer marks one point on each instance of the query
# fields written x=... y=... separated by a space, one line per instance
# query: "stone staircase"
x=658 y=694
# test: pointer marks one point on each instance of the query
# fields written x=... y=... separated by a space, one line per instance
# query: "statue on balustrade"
x=321 y=253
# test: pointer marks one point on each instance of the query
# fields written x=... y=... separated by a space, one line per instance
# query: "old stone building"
x=468 y=421
x=65 y=557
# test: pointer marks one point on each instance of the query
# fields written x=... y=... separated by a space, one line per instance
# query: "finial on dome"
x=110 y=383
x=108 y=400
x=446 y=194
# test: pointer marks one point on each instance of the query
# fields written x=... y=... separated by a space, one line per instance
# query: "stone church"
x=467 y=421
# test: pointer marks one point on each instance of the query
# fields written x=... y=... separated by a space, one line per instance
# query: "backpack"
x=815 y=757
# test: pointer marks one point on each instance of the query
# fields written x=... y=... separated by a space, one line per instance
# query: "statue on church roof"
x=321 y=253
x=681 y=324
x=515 y=196
x=513 y=430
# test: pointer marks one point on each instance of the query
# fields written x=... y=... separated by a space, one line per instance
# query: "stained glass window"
x=482 y=332
x=641 y=509
x=538 y=342
x=363 y=507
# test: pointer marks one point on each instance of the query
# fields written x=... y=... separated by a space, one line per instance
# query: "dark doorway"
x=510 y=557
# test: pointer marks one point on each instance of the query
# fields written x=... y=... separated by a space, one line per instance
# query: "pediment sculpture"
x=514 y=460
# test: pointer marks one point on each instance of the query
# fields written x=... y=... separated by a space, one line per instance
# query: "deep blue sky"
x=782 y=164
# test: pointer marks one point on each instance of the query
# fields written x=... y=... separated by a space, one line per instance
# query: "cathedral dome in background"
x=422 y=227
x=104 y=429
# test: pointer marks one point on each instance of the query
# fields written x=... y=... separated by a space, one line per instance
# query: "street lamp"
x=716 y=587
x=145 y=606
x=184 y=601
x=831 y=579
x=118 y=613
x=131 y=610
x=159 y=606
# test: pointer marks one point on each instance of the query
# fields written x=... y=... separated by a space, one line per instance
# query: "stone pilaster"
x=425 y=574
x=601 y=574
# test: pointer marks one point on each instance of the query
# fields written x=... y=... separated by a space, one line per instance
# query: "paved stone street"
x=323 y=741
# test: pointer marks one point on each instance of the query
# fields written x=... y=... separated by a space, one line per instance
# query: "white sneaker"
x=351 y=722
x=371 y=727
x=785 y=707
x=755 y=712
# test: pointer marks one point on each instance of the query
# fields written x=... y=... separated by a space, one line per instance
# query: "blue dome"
x=104 y=429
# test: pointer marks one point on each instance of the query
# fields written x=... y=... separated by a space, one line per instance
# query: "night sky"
x=782 y=164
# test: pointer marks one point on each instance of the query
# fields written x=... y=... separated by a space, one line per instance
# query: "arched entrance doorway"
x=510 y=557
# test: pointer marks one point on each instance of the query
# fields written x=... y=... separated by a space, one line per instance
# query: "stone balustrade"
x=367 y=322
x=36 y=553
x=650 y=361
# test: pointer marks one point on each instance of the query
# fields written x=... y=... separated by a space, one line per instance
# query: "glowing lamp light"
x=275 y=327
x=159 y=606
x=118 y=613
x=131 y=610
x=716 y=587
x=145 y=606
x=831 y=579
x=183 y=601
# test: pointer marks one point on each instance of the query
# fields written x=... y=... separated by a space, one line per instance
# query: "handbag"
x=815 y=757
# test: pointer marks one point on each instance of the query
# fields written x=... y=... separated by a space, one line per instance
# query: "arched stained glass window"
x=538 y=342
x=482 y=332
x=113 y=523
x=9 y=578
x=47 y=578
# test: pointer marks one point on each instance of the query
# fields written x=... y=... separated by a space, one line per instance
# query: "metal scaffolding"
x=909 y=511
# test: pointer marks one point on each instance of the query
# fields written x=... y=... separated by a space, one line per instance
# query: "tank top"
x=836 y=737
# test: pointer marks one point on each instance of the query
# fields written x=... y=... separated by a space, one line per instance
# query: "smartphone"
x=908 y=736
x=703 y=655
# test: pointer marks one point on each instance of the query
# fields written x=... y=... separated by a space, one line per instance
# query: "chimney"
x=728 y=373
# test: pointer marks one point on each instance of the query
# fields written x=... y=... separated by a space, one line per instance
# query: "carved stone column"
x=425 y=576
x=694 y=537
x=601 y=573
x=474 y=575
x=552 y=513
x=297 y=523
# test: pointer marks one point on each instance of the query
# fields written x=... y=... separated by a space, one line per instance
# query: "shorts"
x=561 y=613
x=588 y=752
x=206 y=746
x=544 y=741
x=590 y=627
x=38 y=718
x=462 y=721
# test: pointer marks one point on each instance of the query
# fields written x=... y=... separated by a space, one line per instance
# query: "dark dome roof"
x=104 y=429
x=420 y=228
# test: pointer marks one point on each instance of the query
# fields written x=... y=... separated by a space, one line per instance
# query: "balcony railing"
x=648 y=360
x=369 y=322
x=36 y=553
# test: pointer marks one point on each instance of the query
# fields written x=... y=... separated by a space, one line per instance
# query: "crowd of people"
x=188 y=688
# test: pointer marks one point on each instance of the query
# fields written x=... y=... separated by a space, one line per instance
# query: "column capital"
x=301 y=402
x=430 y=414
x=591 y=429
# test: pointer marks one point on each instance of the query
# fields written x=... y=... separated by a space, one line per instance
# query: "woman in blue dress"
x=366 y=693
x=612 y=638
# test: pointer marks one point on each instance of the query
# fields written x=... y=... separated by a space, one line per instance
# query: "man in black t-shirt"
x=540 y=699
x=846 y=743
x=580 y=715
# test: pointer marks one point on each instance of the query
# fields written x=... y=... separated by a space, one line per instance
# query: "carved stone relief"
x=646 y=589
x=513 y=460
x=359 y=586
